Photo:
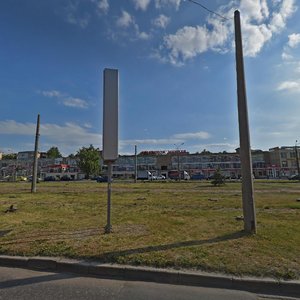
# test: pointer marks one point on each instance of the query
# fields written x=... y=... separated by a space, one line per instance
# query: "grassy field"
x=169 y=224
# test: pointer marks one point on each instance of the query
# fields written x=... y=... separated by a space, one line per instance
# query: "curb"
x=265 y=286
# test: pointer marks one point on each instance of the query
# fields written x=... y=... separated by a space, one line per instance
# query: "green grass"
x=170 y=224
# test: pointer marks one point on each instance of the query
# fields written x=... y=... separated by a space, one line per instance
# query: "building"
x=283 y=161
x=278 y=162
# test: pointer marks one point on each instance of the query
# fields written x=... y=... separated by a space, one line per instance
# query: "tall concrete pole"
x=35 y=160
x=245 y=148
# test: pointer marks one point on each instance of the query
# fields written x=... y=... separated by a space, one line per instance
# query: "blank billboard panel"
x=110 y=114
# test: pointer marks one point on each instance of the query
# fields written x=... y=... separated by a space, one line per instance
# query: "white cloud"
x=291 y=86
x=255 y=38
x=69 y=135
x=258 y=27
x=102 y=5
x=125 y=20
x=75 y=102
x=65 y=99
x=286 y=56
x=192 y=136
x=190 y=41
x=256 y=9
x=142 y=35
x=166 y=141
x=13 y=127
x=174 y=139
x=51 y=94
x=294 y=40
x=141 y=4
x=161 y=22
x=162 y=3
x=73 y=15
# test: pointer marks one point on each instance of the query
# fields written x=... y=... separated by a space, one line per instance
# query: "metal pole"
x=245 y=149
x=297 y=159
x=108 y=226
x=178 y=166
x=135 y=164
x=35 y=159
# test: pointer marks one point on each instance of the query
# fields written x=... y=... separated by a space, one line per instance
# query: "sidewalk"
x=266 y=286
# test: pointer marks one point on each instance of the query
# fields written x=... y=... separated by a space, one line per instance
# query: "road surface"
x=25 y=284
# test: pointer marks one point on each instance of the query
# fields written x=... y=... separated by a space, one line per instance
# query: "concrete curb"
x=266 y=286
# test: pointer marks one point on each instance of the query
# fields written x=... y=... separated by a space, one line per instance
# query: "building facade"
x=278 y=162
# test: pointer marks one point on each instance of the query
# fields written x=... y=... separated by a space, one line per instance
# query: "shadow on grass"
x=109 y=256
x=4 y=232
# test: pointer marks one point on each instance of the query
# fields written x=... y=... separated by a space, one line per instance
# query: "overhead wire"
x=207 y=9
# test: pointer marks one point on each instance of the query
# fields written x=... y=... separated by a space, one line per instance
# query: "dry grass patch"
x=179 y=225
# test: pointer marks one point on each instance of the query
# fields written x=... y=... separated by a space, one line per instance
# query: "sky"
x=177 y=77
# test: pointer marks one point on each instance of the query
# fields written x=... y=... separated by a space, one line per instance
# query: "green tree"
x=89 y=160
x=9 y=156
x=218 y=178
x=53 y=152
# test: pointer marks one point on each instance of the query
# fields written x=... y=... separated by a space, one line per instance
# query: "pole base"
x=107 y=229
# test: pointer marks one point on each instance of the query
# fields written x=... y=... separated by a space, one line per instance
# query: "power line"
x=209 y=10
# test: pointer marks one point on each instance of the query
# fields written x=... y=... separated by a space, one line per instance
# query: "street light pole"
x=178 y=164
x=135 y=163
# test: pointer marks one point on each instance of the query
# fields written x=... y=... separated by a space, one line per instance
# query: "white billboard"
x=110 y=114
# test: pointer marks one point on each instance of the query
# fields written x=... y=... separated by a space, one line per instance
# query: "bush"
x=218 y=178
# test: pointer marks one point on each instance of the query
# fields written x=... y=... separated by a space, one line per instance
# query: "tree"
x=53 y=152
x=205 y=152
x=9 y=156
x=218 y=178
x=89 y=160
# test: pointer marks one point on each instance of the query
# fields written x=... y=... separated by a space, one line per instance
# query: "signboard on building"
x=110 y=114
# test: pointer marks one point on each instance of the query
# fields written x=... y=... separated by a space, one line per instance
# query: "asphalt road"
x=27 y=284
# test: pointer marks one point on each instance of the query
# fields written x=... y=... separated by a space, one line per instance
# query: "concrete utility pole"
x=245 y=148
x=135 y=163
x=35 y=159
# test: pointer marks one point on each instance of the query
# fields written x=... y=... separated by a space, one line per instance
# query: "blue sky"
x=176 y=66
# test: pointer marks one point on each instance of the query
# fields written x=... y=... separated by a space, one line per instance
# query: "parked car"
x=50 y=178
x=65 y=178
x=102 y=179
x=198 y=177
x=21 y=178
x=295 y=177
x=158 y=177
x=29 y=178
